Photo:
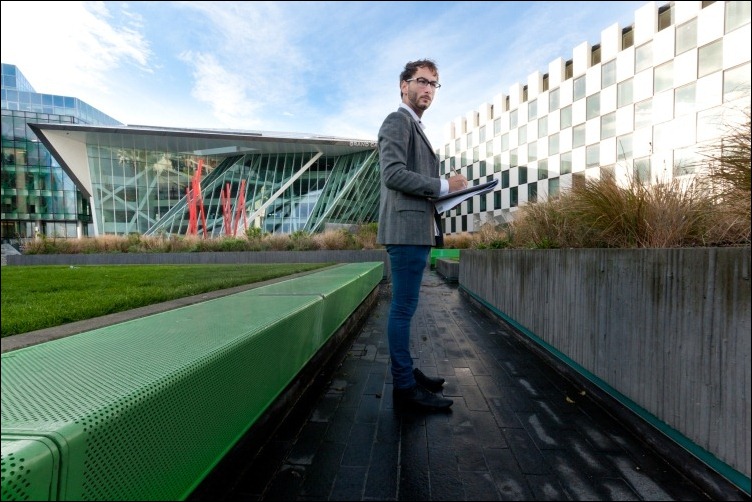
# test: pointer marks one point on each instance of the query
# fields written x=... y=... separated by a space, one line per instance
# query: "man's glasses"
x=424 y=82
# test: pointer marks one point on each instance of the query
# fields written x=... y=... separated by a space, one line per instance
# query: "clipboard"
x=446 y=202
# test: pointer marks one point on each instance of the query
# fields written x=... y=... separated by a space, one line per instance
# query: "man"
x=407 y=224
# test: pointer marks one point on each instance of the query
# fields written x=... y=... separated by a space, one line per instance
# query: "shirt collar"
x=414 y=115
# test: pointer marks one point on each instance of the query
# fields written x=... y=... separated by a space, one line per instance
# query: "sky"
x=324 y=68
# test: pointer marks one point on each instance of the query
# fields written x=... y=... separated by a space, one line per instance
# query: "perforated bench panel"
x=30 y=468
x=145 y=409
x=148 y=407
x=342 y=290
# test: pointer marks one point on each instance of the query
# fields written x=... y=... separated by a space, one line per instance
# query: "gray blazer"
x=409 y=174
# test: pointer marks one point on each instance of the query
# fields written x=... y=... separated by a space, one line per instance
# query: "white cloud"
x=69 y=47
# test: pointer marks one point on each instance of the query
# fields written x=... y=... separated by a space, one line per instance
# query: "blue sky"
x=328 y=68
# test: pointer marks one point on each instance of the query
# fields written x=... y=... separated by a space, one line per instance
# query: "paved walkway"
x=516 y=431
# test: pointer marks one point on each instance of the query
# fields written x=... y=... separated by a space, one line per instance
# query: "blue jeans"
x=407 y=265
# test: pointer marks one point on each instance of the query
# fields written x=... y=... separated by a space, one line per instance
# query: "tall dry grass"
x=363 y=237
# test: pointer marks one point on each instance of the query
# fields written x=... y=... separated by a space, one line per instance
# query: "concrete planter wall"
x=665 y=331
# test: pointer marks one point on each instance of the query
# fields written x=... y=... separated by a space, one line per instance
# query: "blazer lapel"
x=418 y=128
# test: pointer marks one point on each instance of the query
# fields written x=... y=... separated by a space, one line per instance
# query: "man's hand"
x=457 y=182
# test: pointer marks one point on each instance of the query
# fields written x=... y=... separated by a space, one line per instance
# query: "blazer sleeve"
x=407 y=163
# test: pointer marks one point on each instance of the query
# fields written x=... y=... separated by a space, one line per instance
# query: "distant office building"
x=639 y=103
x=69 y=171
x=37 y=195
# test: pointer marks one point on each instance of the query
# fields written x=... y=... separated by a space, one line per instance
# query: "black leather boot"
x=419 y=397
x=434 y=384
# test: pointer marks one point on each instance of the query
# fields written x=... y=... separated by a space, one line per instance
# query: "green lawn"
x=36 y=297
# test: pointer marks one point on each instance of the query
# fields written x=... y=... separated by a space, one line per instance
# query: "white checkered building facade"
x=640 y=103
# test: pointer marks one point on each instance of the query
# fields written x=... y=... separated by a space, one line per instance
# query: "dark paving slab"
x=517 y=430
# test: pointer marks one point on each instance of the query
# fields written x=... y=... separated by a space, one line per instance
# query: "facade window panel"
x=624 y=93
x=553 y=187
x=497 y=199
x=532 y=110
x=624 y=153
x=469 y=139
x=684 y=99
x=608 y=74
x=553 y=144
x=608 y=125
x=505 y=142
x=532 y=151
x=497 y=126
x=482 y=168
x=482 y=203
x=565 y=163
x=470 y=172
x=593 y=155
x=532 y=192
x=663 y=77
x=513 y=162
x=736 y=83
x=710 y=58
x=737 y=15
x=543 y=169
x=482 y=135
x=665 y=17
x=543 y=126
x=568 y=69
x=476 y=154
x=553 y=100
x=565 y=119
x=457 y=145
x=641 y=171
x=578 y=89
x=513 y=197
x=687 y=161
x=686 y=37
x=643 y=113
x=470 y=208
x=578 y=135
x=489 y=149
x=505 y=179
x=643 y=57
x=513 y=119
x=593 y=106
x=522 y=135
x=627 y=37
x=497 y=163
x=595 y=55
x=522 y=175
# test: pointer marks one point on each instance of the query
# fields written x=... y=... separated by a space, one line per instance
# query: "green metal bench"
x=437 y=253
x=146 y=409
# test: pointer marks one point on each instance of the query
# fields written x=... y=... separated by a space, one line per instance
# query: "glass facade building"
x=640 y=103
x=37 y=195
x=171 y=181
